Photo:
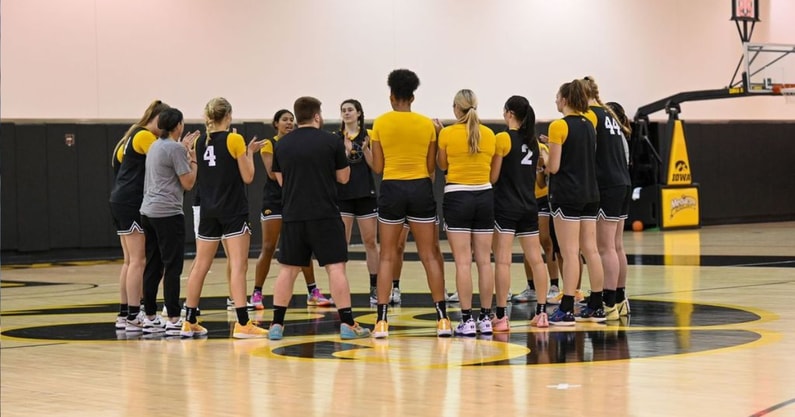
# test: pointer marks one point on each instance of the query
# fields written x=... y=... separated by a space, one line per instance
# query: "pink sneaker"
x=500 y=325
x=540 y=320
x=316 y=298
x=256 y=300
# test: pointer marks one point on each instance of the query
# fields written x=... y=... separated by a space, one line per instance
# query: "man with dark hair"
x=170 y=171
x=308 y=163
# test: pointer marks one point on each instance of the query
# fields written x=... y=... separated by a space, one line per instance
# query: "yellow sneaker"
x=249 y=331
x=611 y=313
x=381 y=330
x=192 y=329
x=623 y=308
x=444 y=328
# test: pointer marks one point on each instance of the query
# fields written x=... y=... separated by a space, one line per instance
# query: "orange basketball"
x=637 y=226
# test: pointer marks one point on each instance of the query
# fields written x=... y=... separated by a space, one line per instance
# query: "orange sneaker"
x=444 y=328
x=249 y=331
x=381 y=330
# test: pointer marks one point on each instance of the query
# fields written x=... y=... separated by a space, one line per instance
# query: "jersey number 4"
x=527 y=159
x=612 y=126
x=209 y=156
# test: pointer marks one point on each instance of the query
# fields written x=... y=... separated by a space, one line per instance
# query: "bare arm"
x=496 y=165
x=368 y=152
x=378 y=157
x=279 y=178
x=553 y=164
x=431 y=160
x=245 y=162
x=343 y=175
x=267 y=160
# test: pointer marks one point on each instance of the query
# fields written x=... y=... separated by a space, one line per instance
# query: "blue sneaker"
x=591 y=315
x=276 y=332
x=561 y=318
x=353 y=332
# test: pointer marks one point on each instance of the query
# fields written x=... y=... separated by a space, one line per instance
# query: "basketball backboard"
x=769 y=68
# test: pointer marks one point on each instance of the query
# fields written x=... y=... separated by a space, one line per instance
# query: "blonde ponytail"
x=467 y=102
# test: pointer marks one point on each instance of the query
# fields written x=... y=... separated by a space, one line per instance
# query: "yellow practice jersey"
x=268 y=146
x=464 y=167
x=404 y=138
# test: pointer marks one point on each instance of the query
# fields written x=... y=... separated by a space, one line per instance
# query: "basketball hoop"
x=789 y=95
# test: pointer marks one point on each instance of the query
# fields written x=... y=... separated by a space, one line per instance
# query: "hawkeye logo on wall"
x=679 y=163
x=683 y=203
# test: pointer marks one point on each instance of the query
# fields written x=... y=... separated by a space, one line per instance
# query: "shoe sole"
x=444 y=333
x=249 y=336
x=562 y=323
x=354 y=336
x=154 y=330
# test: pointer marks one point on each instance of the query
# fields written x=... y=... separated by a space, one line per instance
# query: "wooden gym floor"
x=712 y=333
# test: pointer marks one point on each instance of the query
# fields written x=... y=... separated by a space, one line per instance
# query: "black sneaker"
x=591 y=315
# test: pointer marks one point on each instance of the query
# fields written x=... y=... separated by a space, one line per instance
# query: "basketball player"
x=612 y=175
x=515 y=208
x=271 y=220
x=170 y=171
x=404 y=150
x=574 y=200
x=125 y=205
x=226 y=165
x=308 y=164
x=466 y=152
x=357 y=198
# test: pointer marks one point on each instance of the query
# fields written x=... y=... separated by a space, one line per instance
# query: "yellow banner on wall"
x=679 y=207
x=678 y=162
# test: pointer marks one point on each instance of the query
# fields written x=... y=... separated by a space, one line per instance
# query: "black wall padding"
x=33 y=221
x=9 y=240
x=63 y=197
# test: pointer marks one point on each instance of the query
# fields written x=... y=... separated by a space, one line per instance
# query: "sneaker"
x=155 y=325
x=527 y=295
x=276 y=332
x=540 y=320
x=395 y=297
x=590 y=315
x=611 y=313
x=561 y=318
x=453 y=298
x=623 y=308
x=356 y=331
x=484 y=326
x=582 y=299
x=554 y=295
x=256 y=300
x=134 y=326
x=444 y=328
x=579 y=298
x=381 y=330
x=230 y=305
x=501 y=325
x=121 y=322
x=249 y=331
x=192 y=329
x=373 y=295
x=466 y=328
x=316 y=298
x=510 y=297
x=173 y=329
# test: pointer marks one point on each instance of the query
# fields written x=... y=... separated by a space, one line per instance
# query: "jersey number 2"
x=527 y=159
x=209 y=156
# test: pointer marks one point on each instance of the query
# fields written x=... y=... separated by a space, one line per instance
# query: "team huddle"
x=497 y=187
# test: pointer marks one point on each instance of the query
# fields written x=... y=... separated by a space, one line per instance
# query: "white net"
x=789 y=95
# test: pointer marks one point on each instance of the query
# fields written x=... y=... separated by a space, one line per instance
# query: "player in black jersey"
x=612 y=174
x=226 y=165
x=129 y=159
x=574 y=200
x=271 y=220
x=308 y=163
x=516 y=209
x=357 y=198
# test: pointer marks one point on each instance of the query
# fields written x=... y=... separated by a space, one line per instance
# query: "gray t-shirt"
x=166 y=161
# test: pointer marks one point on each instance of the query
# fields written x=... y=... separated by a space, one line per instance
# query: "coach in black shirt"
x=308 y=163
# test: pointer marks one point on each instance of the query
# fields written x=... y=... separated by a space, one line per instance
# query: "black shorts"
x=543 y=206
x=217 y=228
x=362 y=208
x=614 y=203
x=575 y=211
x=402 y=200
x=127 y=219
x=469 y=211
x=516 y=223
x=270 y=212
x=325 y=239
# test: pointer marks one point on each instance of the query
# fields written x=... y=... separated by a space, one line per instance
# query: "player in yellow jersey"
x=129 y=162
x=574 y=200
x=404 y=150
x=467 y=153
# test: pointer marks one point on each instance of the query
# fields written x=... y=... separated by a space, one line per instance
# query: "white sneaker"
x=121 y=322
x=373 y=296
x=230 y=305
x=395 y=298
x=155 y=325
x=510 y=296
x=453 y=298
x=553 y=296
x=134 y=326
x=466 y=328
x=525 y=296
x=173 y=329
x=484 y=326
